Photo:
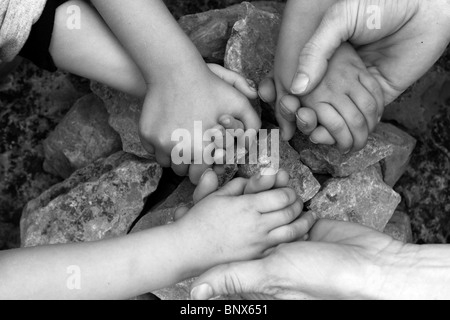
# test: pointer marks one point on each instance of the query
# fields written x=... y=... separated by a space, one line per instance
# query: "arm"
x=417 y=272
x=113 y=269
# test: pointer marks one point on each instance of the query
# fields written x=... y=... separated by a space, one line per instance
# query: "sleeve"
x=16 y=19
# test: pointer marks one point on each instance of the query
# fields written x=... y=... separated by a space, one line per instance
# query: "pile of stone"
x=109 y=176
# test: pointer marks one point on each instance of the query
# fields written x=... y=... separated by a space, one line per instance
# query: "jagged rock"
x=323 y=159
x=362 y=198
x=211 y=30
x=252 y=46
x=124 y=114
x=395 y=165
x=302 y=179
x=97 y=202
x=399 y=227
x=82 y=137
x=416 y=108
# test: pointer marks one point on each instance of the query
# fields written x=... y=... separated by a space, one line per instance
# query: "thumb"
x=231 y=279
x=334 y=29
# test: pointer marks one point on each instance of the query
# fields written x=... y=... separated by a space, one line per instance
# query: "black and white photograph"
x=224 y=155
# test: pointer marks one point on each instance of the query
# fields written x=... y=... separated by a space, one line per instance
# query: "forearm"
x=152 y=37
x=301 y=19
x=112 y=269
x=416 y=273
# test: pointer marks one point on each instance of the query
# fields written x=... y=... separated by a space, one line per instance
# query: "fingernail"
x=252 y=85
x=268 y=172
x=285 y=110
x=205 y=173
x=301 y=121
x=226 y=121
x=202 y=292
x=313 y=141
x=300 y=84
x=262 y=99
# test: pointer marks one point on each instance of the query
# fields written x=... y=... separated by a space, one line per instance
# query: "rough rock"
x=399 y=227
x=252 y=46
x=395 y=165
x=124 y=114
x=82 y=137
x=416 y=108
x=211 y=30
x=362 y=198
x=323 y=159
x=302 y=179
x=97 y=202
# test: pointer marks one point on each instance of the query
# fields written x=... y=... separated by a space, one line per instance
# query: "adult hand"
x=340 y=261
x=398 y=40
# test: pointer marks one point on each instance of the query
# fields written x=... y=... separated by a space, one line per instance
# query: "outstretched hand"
x=336 y=263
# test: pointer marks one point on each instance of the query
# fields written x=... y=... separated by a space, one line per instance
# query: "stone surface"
x=302 y=179
x=82 y=137
x=98 y=202
x=252 y=46
x=395 y=165
x=323 y=159
x=211 y=30
x=124 y=114
x=362 y=198
x=399 y=227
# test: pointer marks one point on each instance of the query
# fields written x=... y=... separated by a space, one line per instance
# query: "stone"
x=399 y=227
x=395 y=165
x=302 y=179
x=164 y=213
x=82 y=137
x=416 y=108
x=211 y=30
x=361 y=198
x=252 y=46
x=323 y=159
x=124 y=114
x=98 y=202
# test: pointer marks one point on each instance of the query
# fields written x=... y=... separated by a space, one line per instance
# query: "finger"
x=230 y=123
x=230 y=279
x=273 y=200
x=196 y=171
x=283 y=217
x=288 y=107
x=283 y=179
x=260 y=183
x=336 y=27
x=322 y=136
x=180 y=213
x=248 y=116
x=181 y=170
x=209 y=183
x=233 y=188
x=163 y=159
x=375 y=89
x=330 y=118
x=267 y=90
x=306 y=120
x=219 y=170
x=367 y=105
x=220 y=156
x=287 y=127
x=242 y=84
x=294 y=231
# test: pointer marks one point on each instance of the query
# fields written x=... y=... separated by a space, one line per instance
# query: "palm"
x=407 y=32
x=335 y=249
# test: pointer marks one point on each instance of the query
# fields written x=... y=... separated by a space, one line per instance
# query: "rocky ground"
x=33 y=102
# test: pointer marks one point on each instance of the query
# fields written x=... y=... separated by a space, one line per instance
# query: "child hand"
x=177 y=102
x=346 y=104
x=228 y=225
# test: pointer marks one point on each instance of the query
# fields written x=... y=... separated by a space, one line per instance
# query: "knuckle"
x=337 y=126
x=290 y=234
x=358 y=121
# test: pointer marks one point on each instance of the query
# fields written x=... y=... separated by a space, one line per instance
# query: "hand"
x=340 y=261
x=413 y=35
x=176 y=102
x=241 y=221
